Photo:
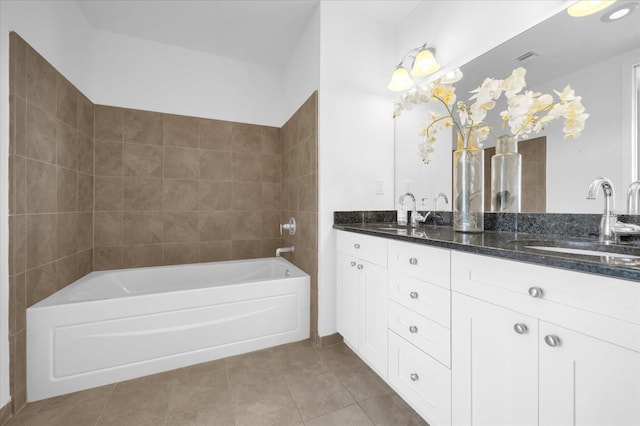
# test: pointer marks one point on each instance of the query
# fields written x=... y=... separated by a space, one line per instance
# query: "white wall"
x=60 y=33
x=302 y=70
x=140 y=74
x=355 y=131
x=601 y=149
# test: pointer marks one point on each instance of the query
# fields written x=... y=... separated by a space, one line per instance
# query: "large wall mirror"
x=600 y=61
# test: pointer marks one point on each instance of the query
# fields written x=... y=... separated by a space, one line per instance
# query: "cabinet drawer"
x=426 y=299
x=371 y=249
x=606 y=308
x=425 y=263
x=427 y=335
x=420 y=380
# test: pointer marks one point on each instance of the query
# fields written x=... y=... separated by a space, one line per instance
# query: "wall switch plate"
x=379 y=186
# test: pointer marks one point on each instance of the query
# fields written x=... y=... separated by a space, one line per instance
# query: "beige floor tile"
x=146 y=382
x=390 y=410
x=275 y=408
x=139 y=406
x=340 y=359
x=255 y=382
x=218 y=364
x=319 y=395
x=351 y=415
x=82 y=414
x=364 y=383
x=218 y=413
x=195 y=391
x=301 y=361
x=262 y=358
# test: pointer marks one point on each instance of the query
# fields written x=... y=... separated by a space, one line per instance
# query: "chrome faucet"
x=281 y=250
x=435 y=201
x=632 y=197
x=415 y=217
x=434 y=212
x=608 y=219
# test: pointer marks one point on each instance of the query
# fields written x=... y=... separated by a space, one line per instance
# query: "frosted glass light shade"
x=452 y=77
x=400 y=80
x=588 y=7
x=424 y=64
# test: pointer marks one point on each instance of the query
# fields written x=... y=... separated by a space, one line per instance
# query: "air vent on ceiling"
x=528 y=56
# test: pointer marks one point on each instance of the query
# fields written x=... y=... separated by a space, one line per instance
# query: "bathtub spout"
x=281 y=250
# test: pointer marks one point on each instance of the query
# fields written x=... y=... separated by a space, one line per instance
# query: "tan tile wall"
x=50 y=192
x=534 y=175
x=300 y=194
x=173 y=189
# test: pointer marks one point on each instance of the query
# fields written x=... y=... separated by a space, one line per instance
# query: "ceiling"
x=264 y=32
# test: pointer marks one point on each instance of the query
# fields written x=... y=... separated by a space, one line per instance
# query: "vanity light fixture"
x=588 y=7
x=619 y=12
x=452 y=77
x=424 y=63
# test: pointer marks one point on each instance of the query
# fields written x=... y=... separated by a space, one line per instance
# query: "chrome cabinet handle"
x=520 y=328
x=552 y=340
x=414 y=377
x=413 y=329
x=356 y=245
x=413 y=261
x=413 y=295
x=360 y=266
x=535 y=292
x=353 y=263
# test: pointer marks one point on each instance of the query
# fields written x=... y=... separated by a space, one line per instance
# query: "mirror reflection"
x=598 y=59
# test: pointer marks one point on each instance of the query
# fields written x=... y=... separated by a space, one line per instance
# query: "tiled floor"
x=294 y=384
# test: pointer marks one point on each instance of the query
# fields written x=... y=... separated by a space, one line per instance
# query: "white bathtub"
x=111 y=326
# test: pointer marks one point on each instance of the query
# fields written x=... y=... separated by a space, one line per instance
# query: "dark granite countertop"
x=510 y=245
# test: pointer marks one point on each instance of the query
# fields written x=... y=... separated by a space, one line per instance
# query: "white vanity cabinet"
x=362 y=297
x=419 y=328
x=538 y=345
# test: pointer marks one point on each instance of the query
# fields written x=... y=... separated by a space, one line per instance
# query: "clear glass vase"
x=506 y=176
x=468 y=184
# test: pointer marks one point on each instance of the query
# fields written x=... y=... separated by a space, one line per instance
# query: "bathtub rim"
x=48 y=302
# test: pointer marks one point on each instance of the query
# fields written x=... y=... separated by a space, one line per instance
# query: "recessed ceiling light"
x=588 y=7
x=619 y=12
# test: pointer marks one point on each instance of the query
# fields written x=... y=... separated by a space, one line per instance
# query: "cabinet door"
x=587 y=381
x=372 y=337
x=494 y=368
x=347 y=303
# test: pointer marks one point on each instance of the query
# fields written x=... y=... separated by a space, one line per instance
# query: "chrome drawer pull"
x=552 y=341
x=414 y=377
x=360 y=266
x=413 y=261
x=353 y=263
x=520 y=328
x=413 y=329
x=413 y=295
x=356 y=245
x=535 y=292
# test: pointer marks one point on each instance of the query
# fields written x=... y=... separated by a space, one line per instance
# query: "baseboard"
x=329 y=340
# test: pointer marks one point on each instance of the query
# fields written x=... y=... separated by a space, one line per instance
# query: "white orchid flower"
x=514 y=83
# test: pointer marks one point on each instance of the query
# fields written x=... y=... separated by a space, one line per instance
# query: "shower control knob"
x=535 y=292
x=360 y=266
x=413 y=329
x=413 y=261
x=356 y=245
x=353 y=263
x=414 y=377
x=413 y=295
x=552 y=340
x=520 y=328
